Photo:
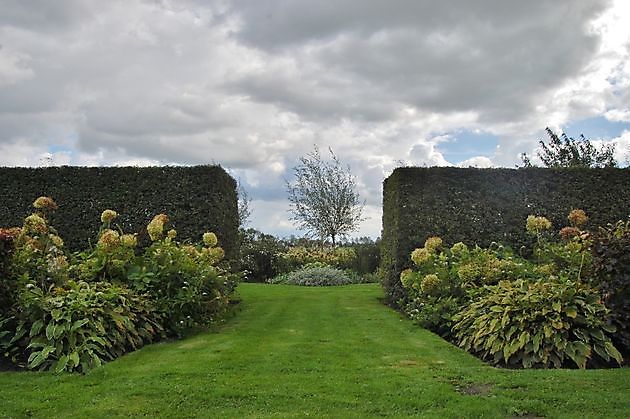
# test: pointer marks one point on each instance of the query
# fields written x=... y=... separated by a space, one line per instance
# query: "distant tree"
x=244 y=209
x=323 y=197
x=564 y=151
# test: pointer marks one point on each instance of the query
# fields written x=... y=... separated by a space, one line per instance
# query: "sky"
x=254 y=85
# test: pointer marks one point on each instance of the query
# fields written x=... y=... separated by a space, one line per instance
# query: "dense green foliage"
x=611 y=265
x=263 y=256
x=80 y=325
x=482 y=206
x=197 y=199
x=537 y=324
x=316 y=274
x=565 y=151
x=297 y=256
x=325 y=352
x=510 y=310
x=259 y=255
x=73 y=313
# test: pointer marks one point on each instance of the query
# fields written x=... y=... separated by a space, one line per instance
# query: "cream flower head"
x=210 y=239
x=108 y=216
x=45 y=202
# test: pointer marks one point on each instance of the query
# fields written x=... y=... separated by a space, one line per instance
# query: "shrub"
x=73 y=315
x=7 y=289
x=315 y=274
x=446 y=280
x=435 y=313
x=78 y=327
x=259 y=255
x=537 y=324
x=460 y=293
x=481 y=206
x=368 y=255
x=298 y=256
x=611 y=274
x=188 y=287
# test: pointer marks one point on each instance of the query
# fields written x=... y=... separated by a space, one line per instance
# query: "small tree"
x=244 y=201
x=564 y=151
x=323 y=197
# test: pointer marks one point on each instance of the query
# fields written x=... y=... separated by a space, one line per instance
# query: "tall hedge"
x=197 y=199
x=481 y=206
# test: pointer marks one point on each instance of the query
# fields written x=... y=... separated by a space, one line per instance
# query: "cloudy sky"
x=253 y=85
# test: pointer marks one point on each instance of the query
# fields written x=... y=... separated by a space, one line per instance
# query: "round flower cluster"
x=577 y=217
x=109 y=240
x=108 y=216
x=536 y=225
x=9 y=234
x=430 y=284
x=568 y=233
x=210 y=239
x=156 y=227
x=214 y=254
x=45 y=203
x=35 y=224
x=129 y=240
x=56 y=240
x=172 y=233
x=420 y=256
x=190 y=250
x=57 y=264
x=433 y=244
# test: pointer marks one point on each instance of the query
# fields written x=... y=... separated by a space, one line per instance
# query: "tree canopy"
x=323 y=197
x=565 y=151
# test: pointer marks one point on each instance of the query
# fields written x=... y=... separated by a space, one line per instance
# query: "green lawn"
x=320 y=352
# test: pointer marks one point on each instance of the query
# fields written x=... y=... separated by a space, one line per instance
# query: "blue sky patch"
x=466 y=144
x=596 y=128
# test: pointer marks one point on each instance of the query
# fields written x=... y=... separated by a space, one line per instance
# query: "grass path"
x=319 y=352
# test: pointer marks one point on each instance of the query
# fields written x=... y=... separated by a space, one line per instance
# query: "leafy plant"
x=259 y=255
x=184 y=281
x=298 y=256
x=537 y=324
x=79 y=327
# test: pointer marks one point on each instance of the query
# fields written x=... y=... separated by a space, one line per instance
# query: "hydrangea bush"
x=73 y=313
x=503 y=307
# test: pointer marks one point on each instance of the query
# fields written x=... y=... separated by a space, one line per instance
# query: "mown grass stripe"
x=323 y=352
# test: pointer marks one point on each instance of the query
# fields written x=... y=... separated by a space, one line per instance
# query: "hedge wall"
x=481 y=206
x=197 y=199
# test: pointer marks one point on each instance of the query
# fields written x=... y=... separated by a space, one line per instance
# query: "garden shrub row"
x=263 y=256
x=316 y=274
x=482 y=206
x=197 y=199
x=73 y=311
x=564 y=306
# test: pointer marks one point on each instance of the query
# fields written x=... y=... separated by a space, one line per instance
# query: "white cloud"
x=619 y=115
x=253 y=85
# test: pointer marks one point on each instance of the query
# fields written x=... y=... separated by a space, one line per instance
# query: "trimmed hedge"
x=196 y=199
x=481 y=206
